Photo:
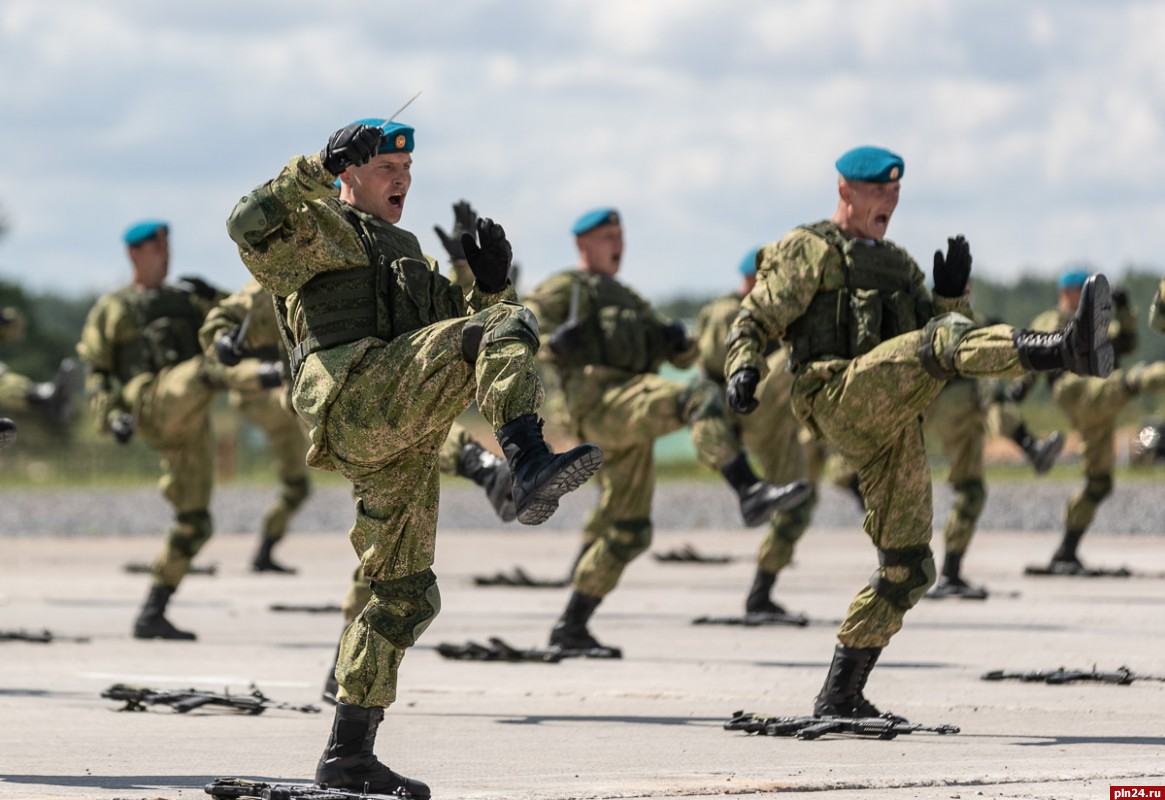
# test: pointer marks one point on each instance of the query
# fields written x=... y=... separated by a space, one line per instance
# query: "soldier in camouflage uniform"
x=870 y=348
x=607 y=344
x=19 y=393
x=1091 y=405
x=383 y=359
x=147 y=375
x=241 y=336
x=771 y=436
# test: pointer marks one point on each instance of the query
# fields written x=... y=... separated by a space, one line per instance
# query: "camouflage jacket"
x=713 y=324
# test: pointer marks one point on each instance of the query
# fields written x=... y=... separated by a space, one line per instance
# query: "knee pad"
x=943 y=366
x=401 y=610
x=629 y=539
x=919 y=564
x=972 y=496
x=193 y=530
x=700 y=399
x=518 y=324
x=1098 y=488
x=295 y=492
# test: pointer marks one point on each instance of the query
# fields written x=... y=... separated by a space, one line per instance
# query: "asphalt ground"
x=647 y=726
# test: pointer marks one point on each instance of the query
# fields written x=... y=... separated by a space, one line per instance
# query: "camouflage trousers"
x=869 y=409
x=771 y=436
x=957 y=420
x=384 y=432
x=626 y=421
x=1092 y=406
x=287 y=445
x=172 y=408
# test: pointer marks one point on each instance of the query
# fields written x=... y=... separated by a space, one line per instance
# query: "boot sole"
x=797 y=495
x=543 y=502
x=1048 y=458
x=1096 y=297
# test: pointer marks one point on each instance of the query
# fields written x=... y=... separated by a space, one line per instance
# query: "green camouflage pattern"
x=868 y=409
x=957 y=421
x=624 y=413
x=378 y=412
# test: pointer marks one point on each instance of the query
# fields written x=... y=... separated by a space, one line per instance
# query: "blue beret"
x=398 y=137
x=748 y=264
x=144 y=231
x=873 y=164
x=595 y=219
x=1072 y=279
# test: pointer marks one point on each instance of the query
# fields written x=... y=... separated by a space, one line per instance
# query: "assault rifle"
x=40 y=637
x=239 y=789
x=1121 y=676
x=886 y=726
x=182 y=700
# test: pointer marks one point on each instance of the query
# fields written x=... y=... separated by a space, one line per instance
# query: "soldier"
x=241 y=336
x=607 y=344
x=1091 y=405
x=870 y=349
x=771 y=436
x=383 y=359
x=1157 y=309
x=19 y=393
x=147 y=376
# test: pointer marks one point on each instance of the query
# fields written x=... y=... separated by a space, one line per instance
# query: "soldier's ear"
x=843 y=189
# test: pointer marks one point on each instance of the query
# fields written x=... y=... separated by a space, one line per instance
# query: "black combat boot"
x=349 y=763
x=263 y=562
x=490 y=473
x=1042 y=454
x=1082 y=345
x=759 y=601
x=55 y=397
x=841 y=696
x=1065 y=560
x=152 y=623
x=7 y=432
x=759 y=499
x=951 y=583
x=570 y=632
x=540 y=477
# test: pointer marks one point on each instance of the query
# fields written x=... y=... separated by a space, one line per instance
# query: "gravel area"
x=1134 y=507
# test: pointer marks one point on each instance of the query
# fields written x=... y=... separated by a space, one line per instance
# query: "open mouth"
x=882 y=219
x=396 y=200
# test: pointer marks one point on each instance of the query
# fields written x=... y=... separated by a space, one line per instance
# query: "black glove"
x=228 y=349
x=567 y=339
x=951 y=274
x=270 y=374
x=1120 y=299
x=464 y=221
x=351 y=146
x=198 y=287
x=742 y=390
x=676 y=336
x=122 y=427
x=491 y=261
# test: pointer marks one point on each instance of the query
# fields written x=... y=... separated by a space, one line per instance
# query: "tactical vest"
x=621 y=333
x=167 y=323
x=880 y=301
x=399 y=292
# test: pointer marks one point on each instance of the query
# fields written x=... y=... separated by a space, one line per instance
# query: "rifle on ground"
x=136 y=698
x=886 y=726
x=240 y=789
x=40 y=637
x=1121 y=676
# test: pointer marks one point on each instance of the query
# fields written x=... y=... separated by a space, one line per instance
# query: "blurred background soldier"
x=1157 y=309
x=870 y=349
x=18 y=393
x=607 y=343
x=771 y=436
x=383 y=360
x=1092 y=405
x=147 y=376
x=241 y=337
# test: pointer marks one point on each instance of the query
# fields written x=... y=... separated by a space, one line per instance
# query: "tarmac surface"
x=647 y=726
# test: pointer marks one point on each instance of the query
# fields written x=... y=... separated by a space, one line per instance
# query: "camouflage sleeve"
x=107 y=325
x=1157 y=309
x=478 y=300
x=226 y=316
x=713 y=324
x=550 y=302
x=789 y=274
x=294 y=228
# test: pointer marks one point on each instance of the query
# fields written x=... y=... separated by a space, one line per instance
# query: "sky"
x=1036 y=128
